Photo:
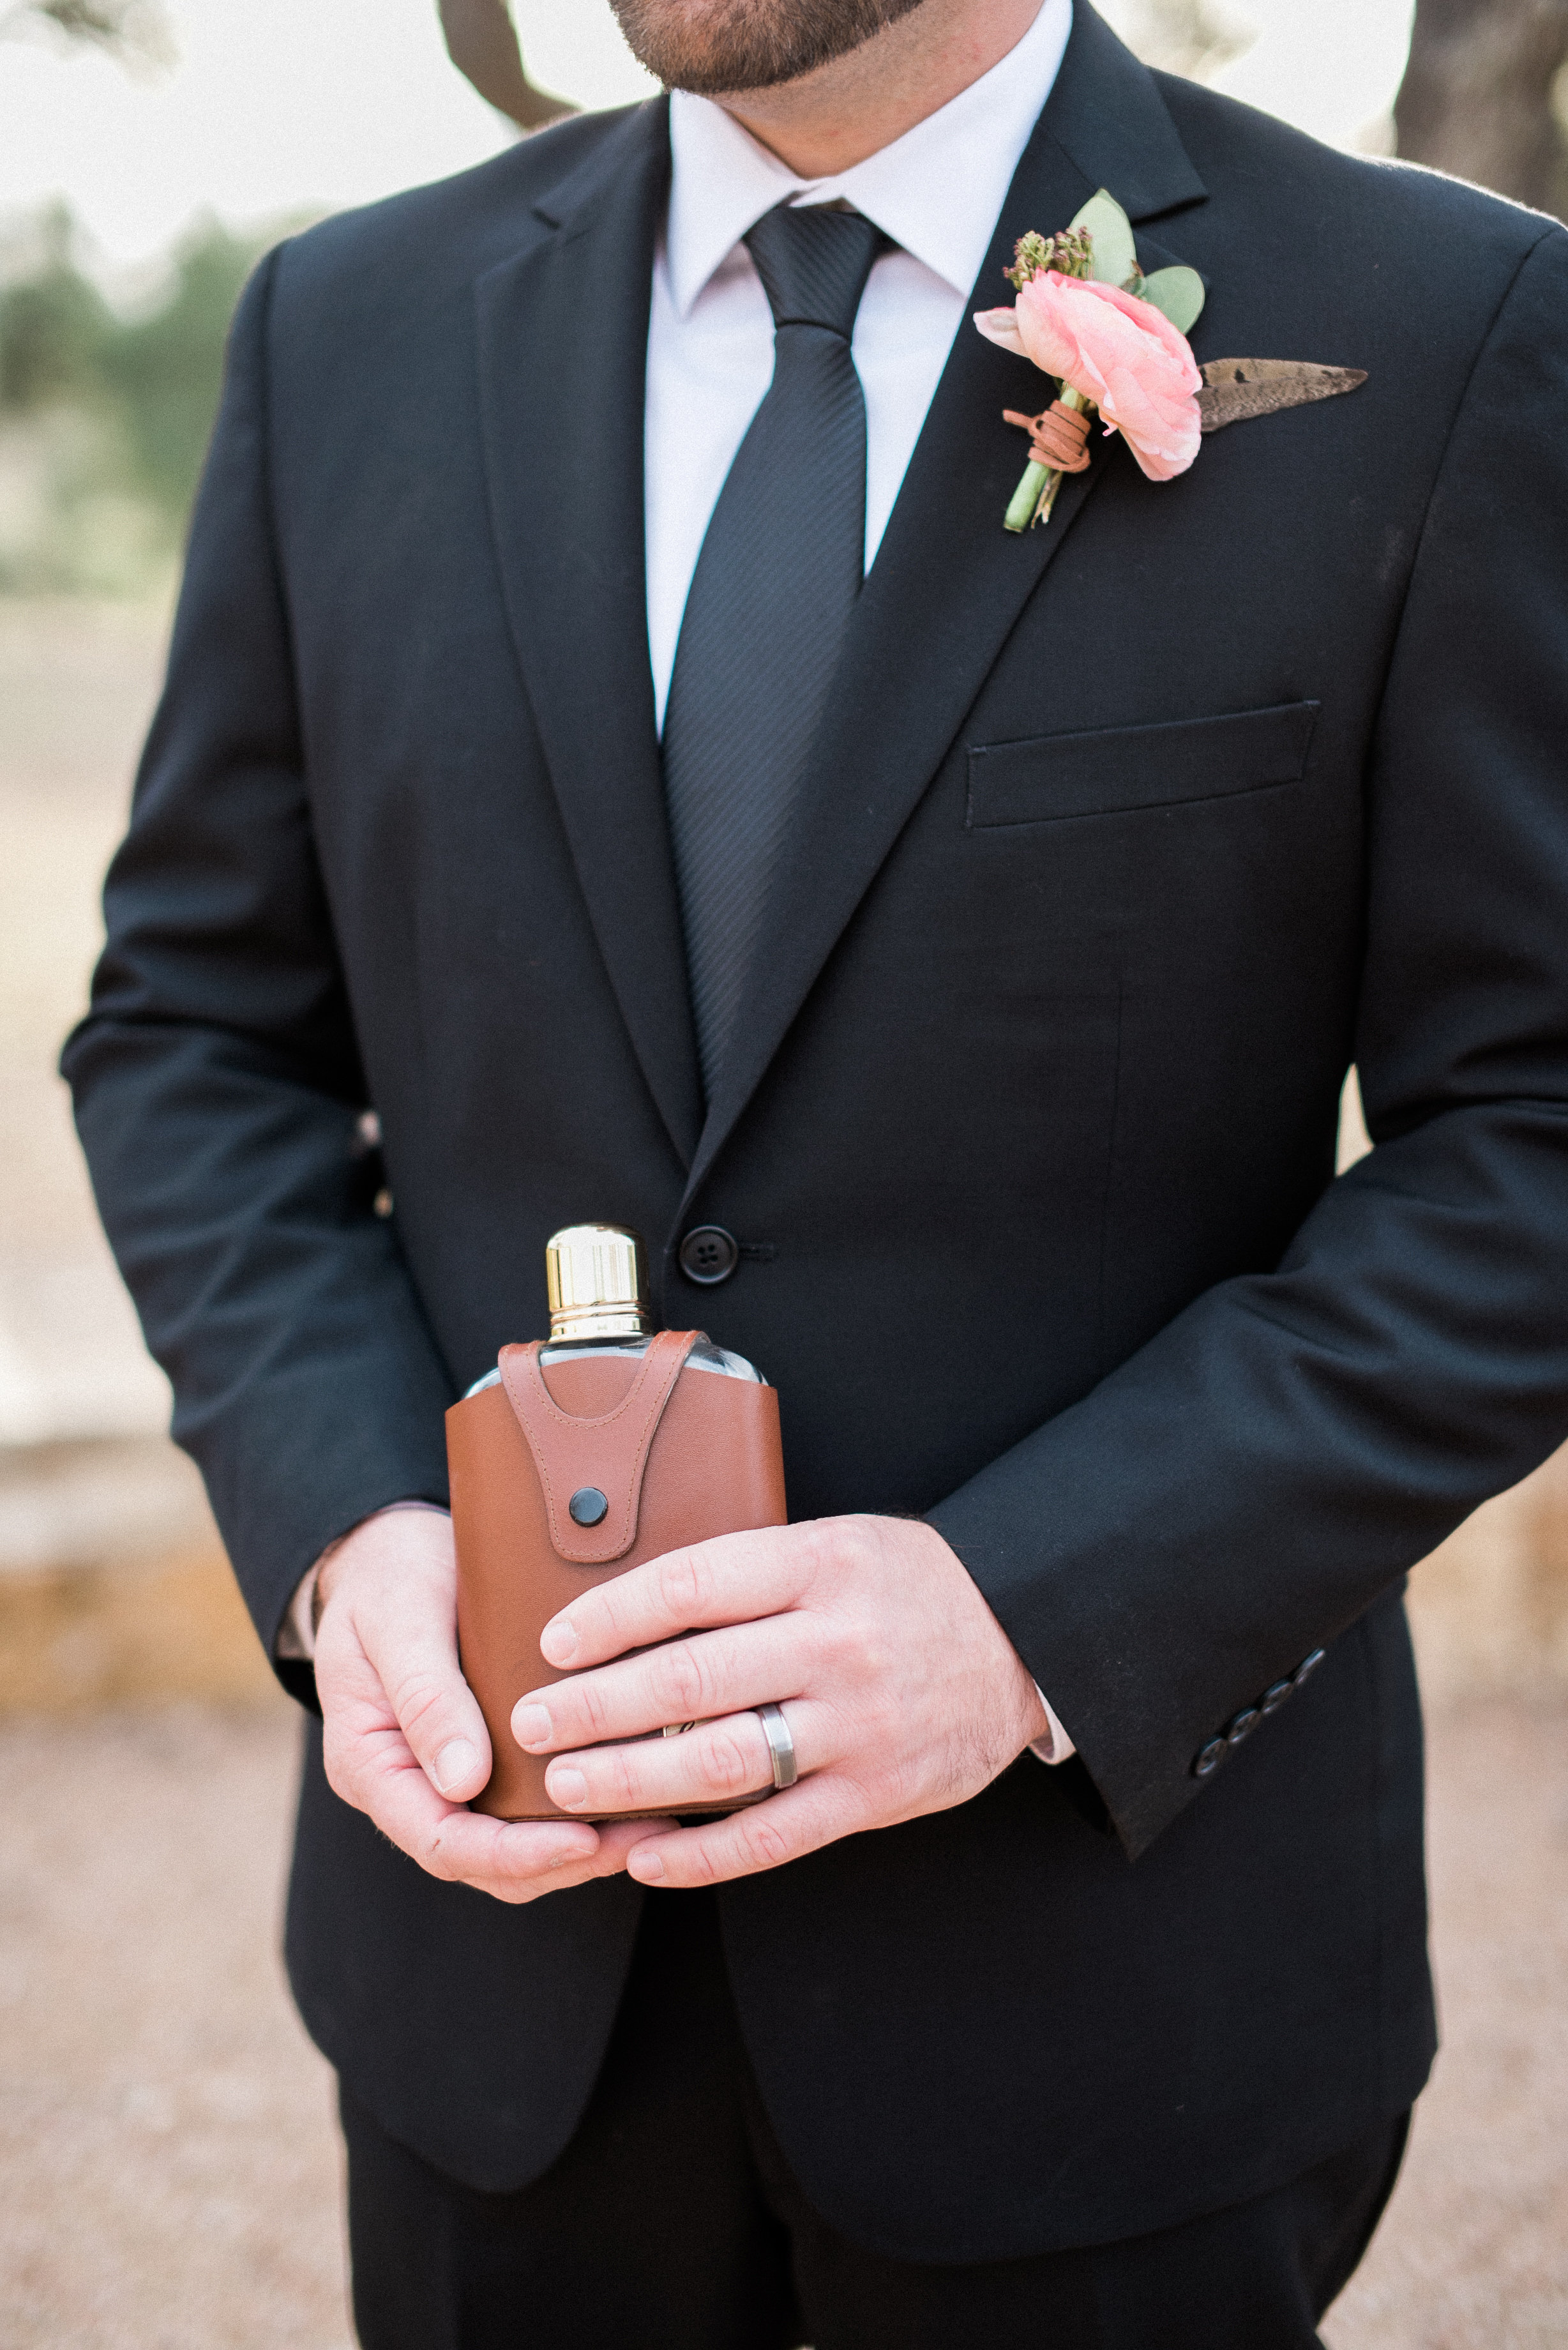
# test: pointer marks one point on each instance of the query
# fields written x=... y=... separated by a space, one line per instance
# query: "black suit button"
x=588 y=1506
x=1275 y=1695
x=1242 y=1726
x=1307 y=1666
x=709 y=1254
x=1210 y=1760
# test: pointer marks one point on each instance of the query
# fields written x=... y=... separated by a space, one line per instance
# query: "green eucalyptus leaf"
x=1177 y=292
x=1114 y=258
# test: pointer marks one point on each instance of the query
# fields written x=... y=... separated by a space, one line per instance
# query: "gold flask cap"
x=596 y=1283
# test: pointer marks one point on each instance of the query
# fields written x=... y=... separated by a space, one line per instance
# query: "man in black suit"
x=981 y=986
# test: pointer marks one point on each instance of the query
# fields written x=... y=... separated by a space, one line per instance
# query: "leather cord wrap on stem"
x=1059 y=436
x=610 y=1450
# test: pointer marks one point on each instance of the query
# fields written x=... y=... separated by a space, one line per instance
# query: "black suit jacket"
x=1120 y=841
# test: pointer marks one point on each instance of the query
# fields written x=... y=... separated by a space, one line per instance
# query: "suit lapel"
x=948 y=583
x=563 y=337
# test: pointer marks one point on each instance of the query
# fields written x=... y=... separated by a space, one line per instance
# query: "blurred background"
x=152 y=2072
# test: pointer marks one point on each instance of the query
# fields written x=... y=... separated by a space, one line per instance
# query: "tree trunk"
x=1477 y=96
x=481 y=42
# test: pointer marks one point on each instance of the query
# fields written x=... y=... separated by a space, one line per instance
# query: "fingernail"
x=565 y=1850
x=558 y=1642
x=567 y=1856
x=454 y=1764
x=644 y=1864
x=532 y=1726
x=566 y=1786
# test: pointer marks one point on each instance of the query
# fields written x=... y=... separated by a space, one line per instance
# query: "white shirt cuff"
x=1056 y=1746
x=297 y=1633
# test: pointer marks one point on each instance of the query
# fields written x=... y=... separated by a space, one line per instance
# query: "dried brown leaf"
x=1234 y=389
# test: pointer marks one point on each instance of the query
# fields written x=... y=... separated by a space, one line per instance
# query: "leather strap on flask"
x=607 y=1454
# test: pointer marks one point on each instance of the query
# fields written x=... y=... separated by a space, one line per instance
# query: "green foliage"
x=1115 y=260
x=1070 y=252
x=166 y=371
x=1177 y=292
x=107 y=417
x=52 y=334
x=53 y=327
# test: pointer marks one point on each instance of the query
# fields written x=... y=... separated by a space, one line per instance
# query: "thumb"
x=409 y=1632
x=438 y=1713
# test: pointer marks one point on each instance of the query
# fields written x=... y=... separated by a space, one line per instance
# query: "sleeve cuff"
x=297 y=1633
x=1056 y=1746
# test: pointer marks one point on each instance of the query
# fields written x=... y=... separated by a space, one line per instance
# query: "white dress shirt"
x=937 y=192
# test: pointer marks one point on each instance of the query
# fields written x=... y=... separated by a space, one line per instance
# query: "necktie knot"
x=814 y=263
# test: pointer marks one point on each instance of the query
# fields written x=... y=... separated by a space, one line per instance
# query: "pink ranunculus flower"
x=1119 y=352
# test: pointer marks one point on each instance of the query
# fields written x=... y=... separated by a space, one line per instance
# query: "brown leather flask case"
x=679 y=1454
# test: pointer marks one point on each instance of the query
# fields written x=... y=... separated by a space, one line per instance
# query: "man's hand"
x=405 y=1739
x=901 y=1691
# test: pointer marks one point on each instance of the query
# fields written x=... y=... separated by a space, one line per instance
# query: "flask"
x=582 y=1456
x=597 y=1295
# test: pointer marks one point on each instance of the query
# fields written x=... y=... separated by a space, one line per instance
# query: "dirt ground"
x=169 y=2168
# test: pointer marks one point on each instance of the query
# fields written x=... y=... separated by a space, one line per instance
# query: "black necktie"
x=778 y=575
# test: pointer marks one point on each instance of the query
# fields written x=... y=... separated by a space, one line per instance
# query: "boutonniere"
x=1116 y=341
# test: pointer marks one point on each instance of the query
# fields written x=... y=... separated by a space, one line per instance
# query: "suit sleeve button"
x=1242 y=1726
x=1210 y=1760
x=709 y=1254
x=1307 y=1666
x=1275 y=1695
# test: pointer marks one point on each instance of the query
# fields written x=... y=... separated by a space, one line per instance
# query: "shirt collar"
x=937 y=191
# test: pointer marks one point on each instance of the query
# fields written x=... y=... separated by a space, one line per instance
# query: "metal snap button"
x=588 y=1506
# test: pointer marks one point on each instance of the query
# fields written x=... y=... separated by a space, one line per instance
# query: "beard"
x=708 y=45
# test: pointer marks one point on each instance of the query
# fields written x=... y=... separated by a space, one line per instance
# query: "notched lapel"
x=563 y=337
x=948 y=583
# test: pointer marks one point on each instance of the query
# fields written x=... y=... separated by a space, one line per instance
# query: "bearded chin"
x=713 y=45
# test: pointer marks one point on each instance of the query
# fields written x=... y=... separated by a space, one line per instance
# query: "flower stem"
x=1036 y=494
x=1026 y=497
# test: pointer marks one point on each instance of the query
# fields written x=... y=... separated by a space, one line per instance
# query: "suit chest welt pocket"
x=1118 y=768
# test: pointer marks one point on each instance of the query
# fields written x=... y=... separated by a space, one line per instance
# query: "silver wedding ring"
x=781 y=1746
